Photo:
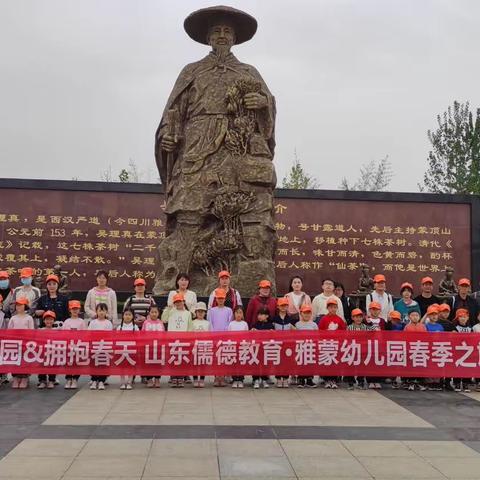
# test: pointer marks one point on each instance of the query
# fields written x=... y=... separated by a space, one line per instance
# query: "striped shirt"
x=139 y=305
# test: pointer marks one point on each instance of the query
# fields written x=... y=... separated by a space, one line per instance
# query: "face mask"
x=26 y=281
x=4 y=284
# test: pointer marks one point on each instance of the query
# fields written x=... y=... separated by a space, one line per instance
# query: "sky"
x=83 y=83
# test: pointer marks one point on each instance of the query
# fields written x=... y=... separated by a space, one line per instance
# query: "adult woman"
x=102 y=293
x=52 y=301
x=346 y=302
x=263 y=299
x=233 y=298
x=406 y=304
x=182 y=283
x=139 y=302
x=296 y=298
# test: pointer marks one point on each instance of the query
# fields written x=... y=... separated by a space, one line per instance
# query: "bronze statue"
x=447 y=285
x=63 y=280
x=365 y=283
x=214 y=149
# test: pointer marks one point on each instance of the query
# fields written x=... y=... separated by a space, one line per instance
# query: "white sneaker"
x=235 y=385
x=240 y=384
x=123 y=386
x=41 y=385
x=265 y=384
x=93 y=386
x=371 y=386
x=74 y=384
x=101 y=386
x=256 y=384
x=378 y=386
x=328 y=384
x=411 y=387
x=334 y=385
x=68 y=385
x=129 y=386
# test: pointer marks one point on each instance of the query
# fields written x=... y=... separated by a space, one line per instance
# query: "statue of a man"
x=365 y=283
x=214 y=149
x=447 y=285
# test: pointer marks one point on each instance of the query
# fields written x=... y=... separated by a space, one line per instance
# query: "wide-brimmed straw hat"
x=198 y=23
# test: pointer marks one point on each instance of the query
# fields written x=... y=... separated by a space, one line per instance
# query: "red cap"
x=224 y=273
x=26 y=272
x=444 y=307
x=220 y=293
x=73 y=304
x=374 y=305
x=1 y=299
x=49 y=313
x=379 y=278
x=178 y=297
x=332 y=301
x=406 y=285
x=396 y=315
x=282 y=301
x=427 y=280
x=432 y=309
x=139 y=281
x=21 y=301
x=356 y=312
x=4 y=274
x=52 y=277
x=464 y=282
x=264 y=284
x=306 y=309
x=461 y=312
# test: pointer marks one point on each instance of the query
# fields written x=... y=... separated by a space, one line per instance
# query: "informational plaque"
x=84 y=231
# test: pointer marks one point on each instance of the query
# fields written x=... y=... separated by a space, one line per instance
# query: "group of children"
x=223 y=318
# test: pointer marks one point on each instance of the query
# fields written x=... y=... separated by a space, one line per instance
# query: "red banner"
x=241 y=353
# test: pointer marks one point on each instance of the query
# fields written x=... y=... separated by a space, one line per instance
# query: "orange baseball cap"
x=461 y=312
x=264 y=284
x=356 y=312
x=432 y=309
x=379 y=278
x=396 y=315
x=139 y=281
x=73 y=304
x=220 y=293
x=444 y=307
x=374 y=305
x=52 y=277
x=22 y=301
x=282 y=301
x=406 y=285
x=26 y=272
x=427 y=280
x=332 y=301
x=464 y=282
x=4 y=274
x=306 y=309
x=49 y=313
x=178 y=297
x=224 y=273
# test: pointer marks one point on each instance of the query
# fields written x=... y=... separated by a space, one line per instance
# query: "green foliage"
x=454 y=161
x=297 y=178
x=123 y=176
x=375 y=176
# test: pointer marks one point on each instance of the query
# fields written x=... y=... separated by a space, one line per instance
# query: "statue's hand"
x=168 y=143
x=255 y=101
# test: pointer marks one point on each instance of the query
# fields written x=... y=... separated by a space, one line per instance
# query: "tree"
x=375 y=176
x=297 y=178
x=124 y=176
x=454 y=161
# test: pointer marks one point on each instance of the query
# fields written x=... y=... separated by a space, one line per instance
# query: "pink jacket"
x=292 y=309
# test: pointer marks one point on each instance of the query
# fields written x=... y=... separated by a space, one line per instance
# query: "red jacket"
x=255 y=304
x=332 y=321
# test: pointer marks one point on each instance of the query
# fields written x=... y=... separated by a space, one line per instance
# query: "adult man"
x=214 y=150
x=426 y=297
x=233 y=298
x=464 y=301
x=319 y=303
x=380 y=296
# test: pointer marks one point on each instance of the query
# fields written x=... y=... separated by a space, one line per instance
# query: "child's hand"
x=39 y=313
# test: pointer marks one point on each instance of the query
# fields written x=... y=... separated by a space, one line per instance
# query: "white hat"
x=200 y=306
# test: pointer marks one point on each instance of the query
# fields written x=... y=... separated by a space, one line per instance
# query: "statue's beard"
x=221 y=51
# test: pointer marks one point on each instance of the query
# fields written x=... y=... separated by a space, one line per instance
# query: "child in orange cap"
x=357 y=325
x=394 y=322
x=21 y=320
x=431 y=319
x=374 y=321
x=444 y=317
x=74 y=322
x=306 y=323
x=415 y=325
x=282 y=322
x=462 y=326
x=44 y=380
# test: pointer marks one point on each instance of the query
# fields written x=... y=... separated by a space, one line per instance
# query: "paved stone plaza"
x=229 y=434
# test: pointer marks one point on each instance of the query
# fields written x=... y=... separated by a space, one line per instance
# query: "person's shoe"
x=265 y=384
x=41 y=385
x=334 y=385
x=187 y=380
x=286 y=383
x=279 y=383
x=371 y=386
x=201 y=384
x=421 y=387
x=180 y=383
x=411 y=387
x=328 y=384
x=68 y=385
x=310 y=384
x=240 y=384
x=378 y=386
x=128 y=386
x=351 y=386
x=235 y=385
x=74 y=384
x=150 y=383
x=477 y=388
x=157 y=383
x=301 y=383
x=15 y=382
x=467 y=390
x=256 y=384
x=101 y=385
x=50 y=385
x=123 y=386
x=173 y=383
x=93 y=385
x=23 y=383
